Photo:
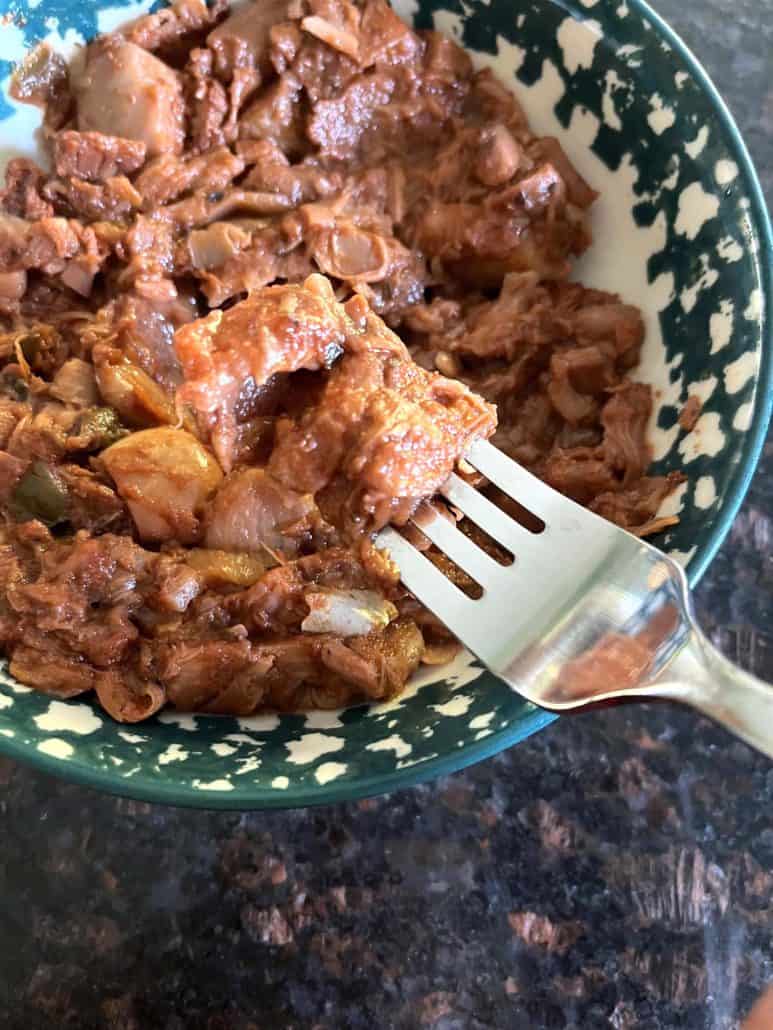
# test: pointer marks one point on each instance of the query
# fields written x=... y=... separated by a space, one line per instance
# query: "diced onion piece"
x=217 y=243
x=353 y=254
x=74 y=383
x=135 y=396
x=440 y=653
x=336 y=37
x=165 y=476
x=13 y=285
x=126 y=91
x=347 y=613
x=253 y=512
x=222 y=568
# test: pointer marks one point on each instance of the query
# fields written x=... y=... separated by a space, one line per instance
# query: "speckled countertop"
x=614 y=871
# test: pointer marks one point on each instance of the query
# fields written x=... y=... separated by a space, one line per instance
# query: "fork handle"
x=702 y=677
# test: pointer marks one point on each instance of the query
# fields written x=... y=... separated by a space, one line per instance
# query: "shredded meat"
x=276 y=331
x=253 y=513
x=173 y=24
x=290 y=260
x=42 y=79
x=393 y=430
x=94 y=156
x=23 y=193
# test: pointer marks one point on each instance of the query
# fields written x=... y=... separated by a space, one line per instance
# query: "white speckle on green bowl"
x=696 y=146
x=259 y=723
x=311 y=746
x=56 y=748
x=702 y=279
x=725 y=171
x=323 y=720
x=721 y=326
x=213 y=785
x=578 y=41
x=631 y=54
x=132 y=738
x=754 y=310
x=673 y=503
x=704 y=389
x=394 y=743
x=612 y=84
x=743 y=417
x=705 y=492
x=329 y=771
x=739 y=372
x=248 y=765
x=112 y=17
x=242 y=738
x=705 y=441
x=174 y=753
x=480 y=722
x=80 y=719
x=184 y=720
x=223 y=750
x=661 y=116
x=729 y=250
x=14 y=43
x=696 y=207
x=459 y=705
x=672 y=179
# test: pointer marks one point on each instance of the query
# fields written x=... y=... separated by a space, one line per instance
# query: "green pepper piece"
x=39 y=494
x=99 y=427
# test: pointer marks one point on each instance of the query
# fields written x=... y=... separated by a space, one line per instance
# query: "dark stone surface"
x=615 y=871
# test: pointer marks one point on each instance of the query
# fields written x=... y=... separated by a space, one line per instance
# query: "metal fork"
x=586 y=612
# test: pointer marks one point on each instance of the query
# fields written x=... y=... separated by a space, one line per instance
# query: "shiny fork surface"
x=586 y=612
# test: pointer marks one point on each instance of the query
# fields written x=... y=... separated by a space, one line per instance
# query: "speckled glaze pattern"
x=679 y=230
x=639 y=840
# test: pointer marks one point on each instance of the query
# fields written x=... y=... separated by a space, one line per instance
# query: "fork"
x=585 y=612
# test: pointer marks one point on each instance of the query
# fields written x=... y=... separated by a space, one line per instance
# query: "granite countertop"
x=616 y=870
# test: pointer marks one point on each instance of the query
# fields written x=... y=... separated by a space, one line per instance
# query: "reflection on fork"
x=586 y=612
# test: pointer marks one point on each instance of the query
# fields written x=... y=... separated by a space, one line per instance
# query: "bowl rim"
x=160 y=791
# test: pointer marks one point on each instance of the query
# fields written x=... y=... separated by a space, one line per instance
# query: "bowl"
x=680 y=229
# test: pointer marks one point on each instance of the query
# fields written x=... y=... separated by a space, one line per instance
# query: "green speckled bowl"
x=680 y=229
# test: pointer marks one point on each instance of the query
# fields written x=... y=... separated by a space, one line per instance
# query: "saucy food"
x=285 y=265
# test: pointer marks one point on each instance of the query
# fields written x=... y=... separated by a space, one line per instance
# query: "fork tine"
x=483 y=513
x=514 y=480
x=429 y=584
x=459 y=547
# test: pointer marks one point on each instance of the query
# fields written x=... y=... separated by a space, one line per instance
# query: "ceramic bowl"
x=680 y=229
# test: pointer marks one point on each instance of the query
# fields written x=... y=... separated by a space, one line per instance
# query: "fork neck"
x=701 y=676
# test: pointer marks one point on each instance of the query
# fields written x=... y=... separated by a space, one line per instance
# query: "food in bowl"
x=287 y=262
